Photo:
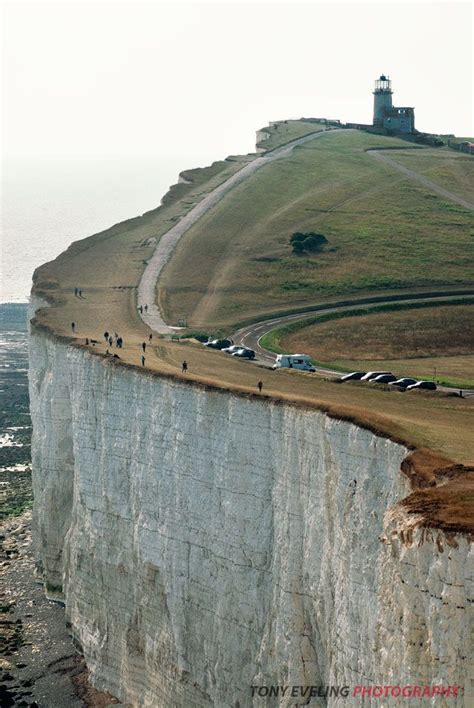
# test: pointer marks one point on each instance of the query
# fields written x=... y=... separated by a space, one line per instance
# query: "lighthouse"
x=382 y=99
x=386 y=116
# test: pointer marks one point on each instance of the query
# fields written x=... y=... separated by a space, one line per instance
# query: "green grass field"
x=385 y=233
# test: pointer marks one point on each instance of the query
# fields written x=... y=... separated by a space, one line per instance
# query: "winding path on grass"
x=168 y=242
x=432 y=186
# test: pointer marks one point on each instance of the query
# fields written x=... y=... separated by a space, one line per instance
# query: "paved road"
x=168 y=242
x=251 y=335
x=382 y=155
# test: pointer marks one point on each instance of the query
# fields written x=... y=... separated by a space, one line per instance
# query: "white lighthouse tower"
x=382 y=99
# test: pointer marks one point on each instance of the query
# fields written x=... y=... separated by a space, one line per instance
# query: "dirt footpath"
x=167 y=243
x=39 y=666
x=451 y=196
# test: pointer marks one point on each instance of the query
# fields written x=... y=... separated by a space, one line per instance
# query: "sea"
x=47 y=204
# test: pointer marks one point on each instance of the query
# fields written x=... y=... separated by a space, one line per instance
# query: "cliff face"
x=206 y=542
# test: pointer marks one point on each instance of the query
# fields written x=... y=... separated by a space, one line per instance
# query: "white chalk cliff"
x=206 y=542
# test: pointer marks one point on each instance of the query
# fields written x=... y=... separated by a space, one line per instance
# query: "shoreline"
x=40 y=667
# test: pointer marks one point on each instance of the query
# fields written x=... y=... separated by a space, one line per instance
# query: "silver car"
x=233 y=348
x=372 y=374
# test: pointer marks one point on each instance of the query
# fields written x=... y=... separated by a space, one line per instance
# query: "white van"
x=294 y=361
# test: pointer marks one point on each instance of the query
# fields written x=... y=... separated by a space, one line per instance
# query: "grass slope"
x=451 y=170
x=385 y=232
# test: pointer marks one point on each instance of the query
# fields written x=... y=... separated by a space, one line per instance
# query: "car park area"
x=386 y=377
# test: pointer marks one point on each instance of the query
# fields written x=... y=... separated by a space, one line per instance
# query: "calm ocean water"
x=50 y=203
x=46 y=206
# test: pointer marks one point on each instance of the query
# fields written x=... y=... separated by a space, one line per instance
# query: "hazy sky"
x=193 y=79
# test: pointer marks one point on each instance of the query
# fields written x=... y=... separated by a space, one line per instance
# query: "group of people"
x=116 y=338
x=150 y=337
x=78 y=292
x=142 y=309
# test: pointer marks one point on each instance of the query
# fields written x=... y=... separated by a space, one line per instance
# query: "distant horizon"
x=178 y=86
x=199 y=78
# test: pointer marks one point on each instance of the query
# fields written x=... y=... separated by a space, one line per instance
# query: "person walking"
x=143 y=361
x=79 y=292
x=73 y=326
x=146 y=308
x=184 y=367
x=140 y=310
x=260 y=386
x=110 y=341
x=150 y=338
x=76 y=291
x=106 y=336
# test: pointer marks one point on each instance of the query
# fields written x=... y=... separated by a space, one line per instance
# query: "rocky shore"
x=39 y=666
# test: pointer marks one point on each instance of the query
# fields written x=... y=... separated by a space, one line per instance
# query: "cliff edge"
x=205 y=542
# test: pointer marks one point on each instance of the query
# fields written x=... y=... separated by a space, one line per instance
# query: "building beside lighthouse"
x=387 y=116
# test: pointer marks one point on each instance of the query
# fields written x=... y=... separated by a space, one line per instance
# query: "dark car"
x=427 y=385
x=403 y=383
x=383 y=378
x=355 y=376
x=244 y=353
x=218 y=343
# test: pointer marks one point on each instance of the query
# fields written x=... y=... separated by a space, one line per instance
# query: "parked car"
x=233 y=348
x=383 y=379
x=218 y=343
x=355 y=376
x=403 y=383
x=428 y=385
x=244 y=353
x=372 y=374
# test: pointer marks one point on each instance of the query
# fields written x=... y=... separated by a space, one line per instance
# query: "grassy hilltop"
x=385 y=232
x=236 y=263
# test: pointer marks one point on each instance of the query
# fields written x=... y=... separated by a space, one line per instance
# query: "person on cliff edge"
x=260 y=386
